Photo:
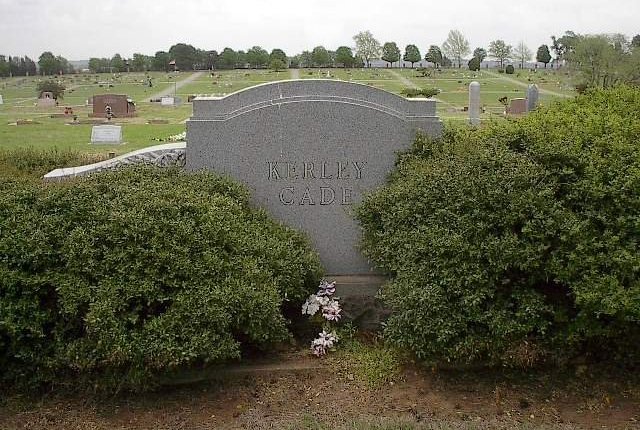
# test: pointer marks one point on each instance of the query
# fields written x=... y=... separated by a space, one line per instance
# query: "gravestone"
x=167 y=101
x=1 y=101
x=106 y=134
x=46 y=100
x=517 y=106
x=474 y=103
x=309 y=150
x=121 y=105
x=532 y=97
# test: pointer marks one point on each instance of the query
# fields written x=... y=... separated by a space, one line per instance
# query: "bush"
x=509 y=70
x=33 y=163
x=517 y=242
x=418 y=92
x=474 y=64
x=128 y=274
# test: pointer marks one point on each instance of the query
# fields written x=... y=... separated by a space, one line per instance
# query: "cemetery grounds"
x=363 y=385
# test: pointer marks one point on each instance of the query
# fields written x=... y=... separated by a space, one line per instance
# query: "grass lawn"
x=19 y=96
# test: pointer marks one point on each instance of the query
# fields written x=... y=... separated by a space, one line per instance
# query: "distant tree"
x=5 y=69
x=456 y=46
x=279 y=55
x=564 y=45
x=434 y=55
x=367 y=47
x=185 y=56
x=499 y=50
x=294 y=62
x=358 y=62
x=118 y=64
x=277 y=64
x=139 y=62
x=257 y=57
x=522 y=53
x=99 y=65
x=543 y=55
x=390 y=53
x=635 y=42
x=161 y=61
x=228 y=58
x=48 y=63
x=320 y=57
x=446 y=61
x=412 y=54
x=480 y=54
x=213 y=58
x=306 y=59
x=344 y=56
x=509 y=70
x=474 y=64
x=598 y=61
x=241 y=60
x=51 y=86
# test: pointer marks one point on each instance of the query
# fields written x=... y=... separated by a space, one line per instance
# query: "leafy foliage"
x=126 y=274
x=56 y=89
x=419 y=92
x=516 y=242
x=509 y=70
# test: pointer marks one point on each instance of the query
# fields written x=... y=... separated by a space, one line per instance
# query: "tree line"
x=601 y=60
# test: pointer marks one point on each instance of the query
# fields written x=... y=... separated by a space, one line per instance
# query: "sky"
x=80 y=29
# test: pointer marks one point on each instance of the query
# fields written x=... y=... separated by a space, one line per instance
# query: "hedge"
x=516 y=243
x=130 y=274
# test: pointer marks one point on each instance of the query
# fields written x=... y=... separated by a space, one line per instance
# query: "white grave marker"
x=167 y=101
x=110 y=134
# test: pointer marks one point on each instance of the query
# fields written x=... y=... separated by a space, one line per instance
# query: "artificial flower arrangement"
x=327 y=305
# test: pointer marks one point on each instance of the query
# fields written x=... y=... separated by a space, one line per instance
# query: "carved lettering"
x=287 y=202
x=308 y=171
x=324 y=172
x=291 y=171
x=347 y=199
x=341 y=171
x=327 y=195
x=358 y=166
x=274 y=175
x=306 y=197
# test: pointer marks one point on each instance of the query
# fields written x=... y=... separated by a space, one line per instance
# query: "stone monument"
x=517 y=106
x=121 y=105
x=1 y=101
x=532 y=97
x=106 y=134
x=309 y=150
x=46 y=99
x=474 y=103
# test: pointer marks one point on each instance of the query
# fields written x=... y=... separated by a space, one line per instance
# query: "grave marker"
x=474 y=103
x=532 y=97
x=309 y=150
x=106 y=134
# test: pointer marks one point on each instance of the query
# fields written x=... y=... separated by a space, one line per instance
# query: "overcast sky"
x=80 y=29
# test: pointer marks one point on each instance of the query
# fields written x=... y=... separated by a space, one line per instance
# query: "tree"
x=522 y=53
x=185 y=56
x=277 y=64
x=598 y=61
x=241 y=60
x=48 y=63
x=367 y=47
x=390 y=53
x=5 y=68
x=635 y=42
x=306 y=59
x=564 y=45
x=543 y=55
x=474 y=64
x=117 y=64
x=228 y=58
x=434 y=55
x=139 y=63
x=320 y=57
x=456 y=46
x=161 y=61
x=278 y=54
x=480 y=54
x=344 y=56
x=257 y=57
x=51 y=86
x=499 y=50
x=412 y=54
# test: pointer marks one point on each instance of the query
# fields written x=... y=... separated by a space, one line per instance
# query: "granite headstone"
x=474 y=103
x=1 y=101
x=532 y=97
x=109 y=134
x=309 y=150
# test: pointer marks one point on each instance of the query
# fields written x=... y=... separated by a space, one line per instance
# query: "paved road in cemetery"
x=524 y=84
x=177 y=85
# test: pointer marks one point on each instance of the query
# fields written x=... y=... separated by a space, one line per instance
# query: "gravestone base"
x=358 y=299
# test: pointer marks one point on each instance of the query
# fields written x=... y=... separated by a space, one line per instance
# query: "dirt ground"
x=302 y=392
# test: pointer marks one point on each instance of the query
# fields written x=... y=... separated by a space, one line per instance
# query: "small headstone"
x=532 y=97
x=474 y=103
x=167 y=101
x=517 y=107
x=46 y=100
x=1 y=101
x=106 y=134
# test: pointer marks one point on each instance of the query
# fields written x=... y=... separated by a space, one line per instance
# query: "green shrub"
x=509 y=70
x=517 y=242
x=29 y=162
x=132 y=273
x=419 y=92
